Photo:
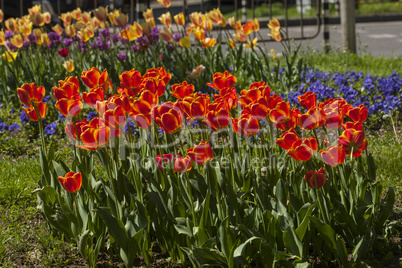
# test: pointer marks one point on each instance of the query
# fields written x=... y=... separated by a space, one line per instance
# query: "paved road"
x=377 y=39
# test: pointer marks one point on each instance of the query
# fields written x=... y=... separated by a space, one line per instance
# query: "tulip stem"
x=41 y=131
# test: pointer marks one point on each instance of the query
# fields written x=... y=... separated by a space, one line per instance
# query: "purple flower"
x=32 y=38
x=177 y=37
x=115 y=38
x=135 y=48
x=26 y=44
x=122 y=56
x=132 y=126
x=67 y=42
x=12 y=111
x=8 y=34
x=11 y=46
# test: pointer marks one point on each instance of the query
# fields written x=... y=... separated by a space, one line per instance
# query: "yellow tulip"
x=166 y=19
x=69 y=65
x=179 y=19
x=9 y=56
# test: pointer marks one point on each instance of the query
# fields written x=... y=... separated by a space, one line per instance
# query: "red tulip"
x=195 y=106
x=333 y=155
x=63 y=52
x=69 y=107
x=163 y=161
x=287 y=139
x=72 y=130
x=314 y=118
x=93 y=96
x=71 y=182
x=95 y=134
x=182 y=90
x=182 y=164
x=353 y=142
x=201 y=154
x=217 y=119
x=246 y=124
x=301 y=150
x=129 y=82
x=307 y=100
x=315 y=179
x=168 y=116
x=31 y=114
x=94 y=78
x=30 y=94
x=142 y=107
x=358 y=114
x=222 y=80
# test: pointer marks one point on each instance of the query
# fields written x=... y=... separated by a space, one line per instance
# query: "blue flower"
x=132 y=126
x=12 y=111
x=13 y=127
x=46 y=99
x=91 y=115
x=50 y=129
x=23 y=117
x=3 y=126
x=61 y=118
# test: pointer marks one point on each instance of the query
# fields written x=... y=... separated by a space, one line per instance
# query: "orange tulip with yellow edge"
x=17 y=40
x=199 y=33
x=208 y=42
x=196 y=19
x=166 y=34
x=182 y=90
x=195 y=106
x=112 y=16
x=57 y=28
x=179 y=19
x=69 y=107
x=164 y=3
x=66 y=18
x=274 y=25
x=25 y=28
x=131 y=33
x=146 y=27
x=142 y=107
x=86 y=17
x=222 y=80
x=2 y=37
x=251 y=43
x=166 y=19
x=47 y=17
x=240 y=35
x=70 y=30
x=101 y=13
x=76 y=13
x=45 y=39
x=11 y=24
x=129 y=82
x=148 y=14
